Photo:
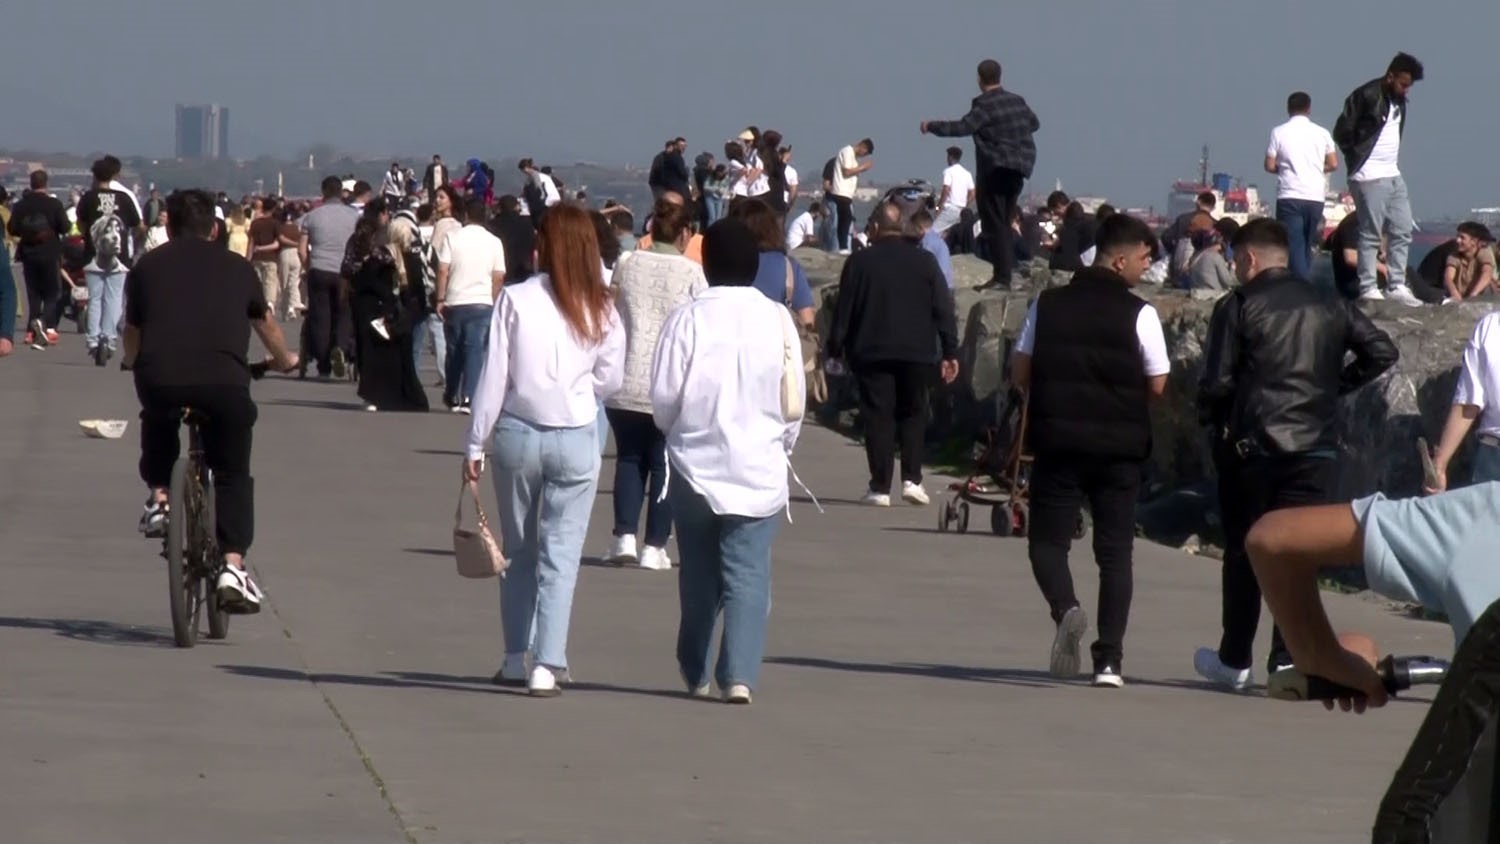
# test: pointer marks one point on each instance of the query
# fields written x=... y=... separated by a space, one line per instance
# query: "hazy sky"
x=1127 y=90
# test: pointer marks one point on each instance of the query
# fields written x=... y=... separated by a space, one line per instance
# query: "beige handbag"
x=477 y=552
x=817 y=385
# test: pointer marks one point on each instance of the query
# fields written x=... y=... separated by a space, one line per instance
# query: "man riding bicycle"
x=189 y=309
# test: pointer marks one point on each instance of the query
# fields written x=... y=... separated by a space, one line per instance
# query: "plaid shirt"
x=1002 y=125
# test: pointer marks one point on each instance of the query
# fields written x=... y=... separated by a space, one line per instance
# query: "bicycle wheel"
x=183 y=582
x=218 y=619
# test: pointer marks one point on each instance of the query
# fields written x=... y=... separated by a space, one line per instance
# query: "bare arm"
x=1486 y=278
x=497 y=281
x=440 y=293
x=1271 y=164
x=1331 y=162
x=1156 y=385
x=1461 y=418
x=1450 y=282
x=271 y=337
x=302 y=250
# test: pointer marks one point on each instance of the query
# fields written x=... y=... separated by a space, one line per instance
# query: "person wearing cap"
x=757 y=179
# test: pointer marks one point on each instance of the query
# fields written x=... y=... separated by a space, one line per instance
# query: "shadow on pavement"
x=314 y=403
x=429 y=552
x=1024 y=677
x=98 y=632
x=842 y=502
x=440 y=452
x=428 y=680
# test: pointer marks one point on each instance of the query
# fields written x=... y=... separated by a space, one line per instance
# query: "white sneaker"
x=542 y=683
x=622 y=552
x=738 y=694
x=846 y=252
x=1065 y=661
x=153 y=524
x=702 y=691
x=1208 y=665
x=655 y=559
x=1403 y=294
x=237 y=592
x=875 y=499
x=1372 y=295
x=1449 y=300
x=370 y=408
x=1108 y=677
x=512 y=671
x=914 y=493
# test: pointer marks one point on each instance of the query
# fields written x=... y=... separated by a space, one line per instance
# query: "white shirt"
x=1382 y=161
x=959 y=182
x=761 y=183
x=394 y=184
x=791 y=182
x=802 y=227
x=1149 y=338
x=716 y=393
x=536 y=370
x=155 y=236
x=845 y=185
x=1479 y=380
x=472 y=254
x=736 y=171
x=1300 y=147
x=550 y=194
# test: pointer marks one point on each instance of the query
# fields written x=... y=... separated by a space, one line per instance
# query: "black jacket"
x=1364 y=115
x=519 y=238
x=432 y=179
x=44 y=214
x=893 y=300
x=1275 y=370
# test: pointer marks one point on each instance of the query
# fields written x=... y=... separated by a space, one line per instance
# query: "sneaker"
x=339 y=364
x=1065 y=659
x=1208 y=665
x=237 y=592
x=622 y=551
x=154 y=520
x=875 y=499
x=1403 y=295
x=1372 y=295
x=542 y=683
x=512 y=671
x=1449 y=300
x=370 y=408
x=37 y=335
x=53 y=338
x=1107 y=676
x=462 y=407
x=702 y=691
x=846 y=252
x=655 y=559
x=914 y=494
x=738 y=694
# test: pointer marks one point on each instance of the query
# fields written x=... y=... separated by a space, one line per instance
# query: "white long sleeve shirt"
x=536 y=369
x=716 y=393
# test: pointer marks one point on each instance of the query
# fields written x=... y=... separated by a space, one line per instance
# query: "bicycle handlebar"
x=1397 y=674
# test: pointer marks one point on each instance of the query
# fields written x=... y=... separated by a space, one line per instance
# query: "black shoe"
x=994 y=284
x=1107 y=675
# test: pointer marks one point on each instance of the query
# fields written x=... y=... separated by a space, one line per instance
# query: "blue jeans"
x=106 y=306
x=9 y=299
x=828 y=237
x=726 y=563
x=1486 y=464
x=640 y=456
x=544 y=483
x=432 y=325
x=467 y=330
x=1303 y=219
x=1382 y=206
x=714 y=205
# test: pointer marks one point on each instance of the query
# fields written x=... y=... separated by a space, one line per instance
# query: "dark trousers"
x=229 y=417
x=44 y=299
x=843 y=219
x=640 y=475
x=325 y=315
x=1249 y=489
x=1303 y=219
x=1060 y=483
x=997 y=192
x=892 y=410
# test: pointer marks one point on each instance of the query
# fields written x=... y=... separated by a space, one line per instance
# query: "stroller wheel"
x=1020 y=516
x=963 y=517
x=1000 y=520
x=946 y=517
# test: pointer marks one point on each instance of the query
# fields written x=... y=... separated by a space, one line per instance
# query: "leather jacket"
x=1364 y=115
x=1274 y=369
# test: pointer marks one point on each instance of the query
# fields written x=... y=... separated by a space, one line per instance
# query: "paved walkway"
x=905 y=698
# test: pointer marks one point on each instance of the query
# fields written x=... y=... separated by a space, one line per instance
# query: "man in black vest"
x=1091 y=357
x=1272 y=378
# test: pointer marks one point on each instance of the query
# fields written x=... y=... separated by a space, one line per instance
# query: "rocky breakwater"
x=1378 y=425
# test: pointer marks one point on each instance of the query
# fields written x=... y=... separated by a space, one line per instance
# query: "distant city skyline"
x=202 y=132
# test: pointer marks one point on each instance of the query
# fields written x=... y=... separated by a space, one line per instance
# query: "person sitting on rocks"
x=1209 y=267
x=1470 y=270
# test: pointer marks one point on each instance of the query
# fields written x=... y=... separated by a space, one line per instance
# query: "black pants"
x=44 y=299
x=1249 y=489
x=1060 y=483
x=230 y=417
x=325 y=318
x=892 y=409
x=997 y=192
x=843 y=218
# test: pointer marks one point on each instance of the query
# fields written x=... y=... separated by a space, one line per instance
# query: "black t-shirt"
x=193 y=303
x=94 y=205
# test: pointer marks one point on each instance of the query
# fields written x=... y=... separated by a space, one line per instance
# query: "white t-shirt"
x=1148 y=333
x=1382 y=161
x=1479 y=380
x=845 y=185
x=1300 y=147
x=762 y=183
x=550 y=194
x=472 y=255
x=959 y=182
x=791 y=182
x=736 y=172
x=801 y=228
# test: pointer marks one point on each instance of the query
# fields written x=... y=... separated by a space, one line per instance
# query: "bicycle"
x=191 y=545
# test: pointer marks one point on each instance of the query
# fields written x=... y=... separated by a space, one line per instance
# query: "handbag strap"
x=791 y=280
x=472 y=490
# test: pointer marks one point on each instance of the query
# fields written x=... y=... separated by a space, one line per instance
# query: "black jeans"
x=843 y=219
x=1249 y=489
x=1060 y=482
x=229 y=419
x=997 y=192
x=44 y=299
x=892 y=409
x=325 y=318
x=640 y=475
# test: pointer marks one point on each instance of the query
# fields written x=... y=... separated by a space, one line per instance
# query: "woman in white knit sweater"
x=648 y=288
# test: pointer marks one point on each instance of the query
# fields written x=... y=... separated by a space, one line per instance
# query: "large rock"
x=1379 y=424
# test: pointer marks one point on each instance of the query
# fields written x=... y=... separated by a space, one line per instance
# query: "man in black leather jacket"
x=1272 y=378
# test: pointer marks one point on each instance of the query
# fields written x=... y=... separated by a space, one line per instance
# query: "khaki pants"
x=266 y=272
x=289 y=268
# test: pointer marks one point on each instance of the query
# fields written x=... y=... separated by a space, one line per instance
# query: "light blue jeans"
x=726 y=564
x=1382 y=206
x=1486 y=464
x=431 y=326
x=544 y=483
x=106 y=307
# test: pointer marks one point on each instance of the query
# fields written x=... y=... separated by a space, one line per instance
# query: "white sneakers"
x=542 y=682
x=1398 y=293
x=237 y=593
x=655 y=559
x=872 y=498
x=910 y=493
x=153 y=524
x=1065 y=661
x=1108 y=677
x=623 y=552
x=738 y=694
x=1208 y=665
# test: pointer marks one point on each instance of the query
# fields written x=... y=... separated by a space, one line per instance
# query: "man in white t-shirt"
x=471 y=270
x=803 y=230
x=1369 y=133
x=791 y=176
x=956 y=195
x=1301 y=154
x=846 y=169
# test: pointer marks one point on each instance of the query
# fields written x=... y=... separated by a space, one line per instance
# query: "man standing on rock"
x=1301 y=155
x=1091 y=357
x=1002 y=125
x=1369 y=133
x=1272 y=377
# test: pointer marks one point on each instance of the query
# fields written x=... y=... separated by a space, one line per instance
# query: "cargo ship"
x=1236 y=200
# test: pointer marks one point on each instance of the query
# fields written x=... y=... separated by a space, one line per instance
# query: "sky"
x=1128 y=91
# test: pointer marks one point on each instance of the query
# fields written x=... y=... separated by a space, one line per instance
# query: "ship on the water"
x=1241 y=202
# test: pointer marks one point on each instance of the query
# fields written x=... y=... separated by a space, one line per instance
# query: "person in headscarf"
x=381 y=301
x=478 y=182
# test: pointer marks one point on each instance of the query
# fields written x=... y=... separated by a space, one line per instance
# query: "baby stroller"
x=914 y=195
x=75 y=284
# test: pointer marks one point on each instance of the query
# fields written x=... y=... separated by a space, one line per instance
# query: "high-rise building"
x=202 y=132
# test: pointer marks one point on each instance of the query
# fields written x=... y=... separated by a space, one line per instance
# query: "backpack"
x=34 y=228
x=107 y=234
x=828 y=169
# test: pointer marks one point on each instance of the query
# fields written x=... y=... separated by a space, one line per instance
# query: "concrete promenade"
x=905 y=697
